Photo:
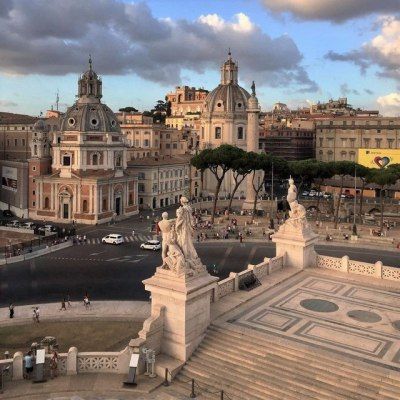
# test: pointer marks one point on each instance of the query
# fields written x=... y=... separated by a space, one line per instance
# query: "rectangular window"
x=15 y=142
x=141 y=187
x=67 y=160
x=23 y=142
x=217 y=132
x=167 y=146
x=174 y=146
x=141 y=175
x=146 y=143
x=378 y=143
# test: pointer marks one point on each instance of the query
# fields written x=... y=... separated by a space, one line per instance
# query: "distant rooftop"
x=11 y=118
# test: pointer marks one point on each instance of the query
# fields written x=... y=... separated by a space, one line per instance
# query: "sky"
x=297 y=51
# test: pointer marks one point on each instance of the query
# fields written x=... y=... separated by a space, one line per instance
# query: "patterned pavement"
x=350 y=318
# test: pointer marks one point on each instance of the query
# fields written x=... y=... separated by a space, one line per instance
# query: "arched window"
x=85 y=206
x=240 y=135
x=46 y=203
x=104 y=204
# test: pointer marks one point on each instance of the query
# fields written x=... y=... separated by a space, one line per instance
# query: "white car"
x=113 y=238
x=151 y=245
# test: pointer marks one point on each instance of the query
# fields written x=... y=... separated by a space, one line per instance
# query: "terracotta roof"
x=10 y=118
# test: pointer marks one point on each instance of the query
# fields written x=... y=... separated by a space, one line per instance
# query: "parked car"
x=327 y=195
x=151 y=245
x=14 y=224
x=8 y=213
x=113 y=238
x=349 y=196
x=28 y=225
x=305 y=193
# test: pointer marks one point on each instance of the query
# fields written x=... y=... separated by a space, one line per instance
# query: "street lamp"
x=355 y=202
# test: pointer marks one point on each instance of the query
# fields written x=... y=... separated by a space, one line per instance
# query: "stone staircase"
x=250 y=366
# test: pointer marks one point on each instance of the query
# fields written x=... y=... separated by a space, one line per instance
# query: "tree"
x=241 y=168
x=263 y=162
x=383 y=178
x=361 y=173
x=160 y=111
x=342 y=168
x=128 y=109
x=219 y=161
x=304 y=170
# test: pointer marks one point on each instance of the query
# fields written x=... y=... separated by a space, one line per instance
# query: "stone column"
x=252 y=135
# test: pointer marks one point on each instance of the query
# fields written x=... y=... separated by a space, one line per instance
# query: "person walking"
x=54 y=365
x=69 y=300
x=11 y=309
x=36 y=315
x=133 y=233
x=63 y=308
x=28 y=360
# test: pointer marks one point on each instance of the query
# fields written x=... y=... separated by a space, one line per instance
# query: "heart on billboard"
x=381 y=162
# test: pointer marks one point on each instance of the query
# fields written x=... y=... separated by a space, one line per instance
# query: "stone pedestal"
x=296 y=241
x=187 y=309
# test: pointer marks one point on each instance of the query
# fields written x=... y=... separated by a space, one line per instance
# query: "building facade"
x=164 y=180
x=339 y=138
x=186 y=100
x=89 y=181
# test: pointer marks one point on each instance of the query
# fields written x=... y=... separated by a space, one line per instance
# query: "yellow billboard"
x=378 y=158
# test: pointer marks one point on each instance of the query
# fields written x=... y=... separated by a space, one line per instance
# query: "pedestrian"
x=11 y=309
x=36 y=314
x=28 y=359
x=133 y=233
x=69 y=300
x=86 y=301
x=54 y=365
x=63 y=308
x=84 y=239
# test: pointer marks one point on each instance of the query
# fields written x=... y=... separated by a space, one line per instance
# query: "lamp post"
x=355 y=202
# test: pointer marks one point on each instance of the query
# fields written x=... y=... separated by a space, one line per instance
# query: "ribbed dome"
x=90 y=117
x=227 y=98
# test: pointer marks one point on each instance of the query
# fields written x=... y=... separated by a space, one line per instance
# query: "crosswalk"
x=127 y=239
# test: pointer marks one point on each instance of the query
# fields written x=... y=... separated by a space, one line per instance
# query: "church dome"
x=228 y=96
x=88 y=114
x=39 y=125
x=90 y=117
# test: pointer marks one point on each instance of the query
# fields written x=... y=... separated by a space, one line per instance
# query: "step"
x=221 y=344
x=322 y=359
x=290 y=375
x=241 y=391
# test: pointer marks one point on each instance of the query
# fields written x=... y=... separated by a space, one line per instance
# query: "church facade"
x=227 y=119
x=86 y=180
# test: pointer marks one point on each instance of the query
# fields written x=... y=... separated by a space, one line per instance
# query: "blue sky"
x=297 y=51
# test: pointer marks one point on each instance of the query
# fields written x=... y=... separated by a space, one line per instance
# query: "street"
x=108 y=272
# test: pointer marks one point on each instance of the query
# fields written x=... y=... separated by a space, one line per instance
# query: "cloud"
x=7 y=103
x=336 y=11
x=126 y=38
x=389 y=104
x=383 y=50
x=345 y=90
x=368 y=91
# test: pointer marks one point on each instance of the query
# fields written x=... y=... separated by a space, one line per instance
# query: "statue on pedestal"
x=297 y=215
x=178 y=252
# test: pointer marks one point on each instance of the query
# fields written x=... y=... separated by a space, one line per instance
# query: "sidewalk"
x=113 y=310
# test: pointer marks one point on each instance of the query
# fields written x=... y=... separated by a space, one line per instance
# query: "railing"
x=344 y=264
x=97 y=362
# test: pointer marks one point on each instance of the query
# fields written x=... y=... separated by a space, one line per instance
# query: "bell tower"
x=89 y=86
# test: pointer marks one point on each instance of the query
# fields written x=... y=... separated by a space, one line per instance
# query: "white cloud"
x=382 y=50
x=389 y=104
x=7 y=103
x=127 y=38
x=331 y=10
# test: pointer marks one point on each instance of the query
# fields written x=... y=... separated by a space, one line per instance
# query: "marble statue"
x=178 y=252
x=297 y=213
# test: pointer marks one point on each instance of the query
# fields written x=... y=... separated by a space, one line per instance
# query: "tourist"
x=11 y=309
x=86 y=301
x=54 y=365
x=28 y=359
x=69 y=300
x=36 y=314
x=63 y=308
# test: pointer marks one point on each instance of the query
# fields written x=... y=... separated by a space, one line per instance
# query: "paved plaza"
x=357 y=319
